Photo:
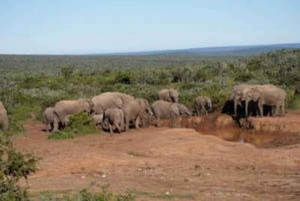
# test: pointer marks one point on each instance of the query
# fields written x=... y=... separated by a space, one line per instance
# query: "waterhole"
x=223 y=126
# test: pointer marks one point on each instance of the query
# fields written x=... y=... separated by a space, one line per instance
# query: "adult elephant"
x=114 y=118
x=3 y=117
x=110 y=99
x=236 y=95
x=136 y=110
x=247 y=97
x=269 y=95
x=64 y=108
x=170 y=95
x=202 y=103
x=166 y=110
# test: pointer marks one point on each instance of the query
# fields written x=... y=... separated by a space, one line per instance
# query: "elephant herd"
x=116 y=111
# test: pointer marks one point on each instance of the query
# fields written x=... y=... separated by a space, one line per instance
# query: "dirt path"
x=163 y=161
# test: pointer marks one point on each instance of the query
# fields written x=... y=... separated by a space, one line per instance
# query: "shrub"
x=13 y=166
x=80 y=123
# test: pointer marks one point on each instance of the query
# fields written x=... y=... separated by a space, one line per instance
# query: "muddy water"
x=229 y=130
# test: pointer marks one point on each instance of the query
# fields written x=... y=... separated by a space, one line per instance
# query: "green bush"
x=13 y=166
x=80 y=123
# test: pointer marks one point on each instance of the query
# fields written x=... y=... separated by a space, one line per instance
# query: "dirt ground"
x=160 y=163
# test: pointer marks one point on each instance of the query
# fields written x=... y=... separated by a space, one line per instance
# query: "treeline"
x=30 y=83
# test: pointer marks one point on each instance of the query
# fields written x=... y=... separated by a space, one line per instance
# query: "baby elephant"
x=48 y=119
x=114 y=117
x=97 y=119
x=202 y=104
x=167 y=110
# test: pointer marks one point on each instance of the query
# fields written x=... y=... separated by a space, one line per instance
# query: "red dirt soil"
x=174 y=161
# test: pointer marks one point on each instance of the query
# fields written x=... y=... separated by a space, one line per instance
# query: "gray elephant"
x=114 y=118
x=246 y=96
x=110 y=99
x=269 y=95
x=170 y=95
x=97 y=119
x=136 y=110
x=236 y=95
x=3 y=117
x=49 y=119
x=202 y=104
x=166 y=110
x=64 y=108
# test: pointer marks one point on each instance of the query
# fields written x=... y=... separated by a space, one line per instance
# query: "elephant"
x=64 y=108
x=237 y=93
x=246 y=92
x=49 y=119
x=202 y=103
x=183 y=110
x=114 y=118
x=110 y=99
x=136 y=110
x=166 y=110
x=170 y=95
x=3 y=118
x=97 y=119
x=228 y=108
x=269 y=95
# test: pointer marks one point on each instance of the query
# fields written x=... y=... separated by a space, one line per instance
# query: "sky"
x=99 y=26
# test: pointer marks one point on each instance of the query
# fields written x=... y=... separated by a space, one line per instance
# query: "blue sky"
x=98 y=26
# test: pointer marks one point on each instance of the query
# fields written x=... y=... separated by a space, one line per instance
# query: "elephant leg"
x=235 y=107
x=246 y=108
x=158 y=121
x=56 y=125
x=276 y=109
x=122 y=125
x=283 y=109
x=127 y=121
x=197 y=110
x=173 y=120
x=51 y=126
x=117 y=126
x=110 y=129
x=261 y=109
x=137 y=122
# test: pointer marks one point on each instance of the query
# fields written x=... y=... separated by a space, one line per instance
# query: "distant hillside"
x=233 y=51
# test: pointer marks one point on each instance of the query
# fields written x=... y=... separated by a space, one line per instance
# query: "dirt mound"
x=288 y=123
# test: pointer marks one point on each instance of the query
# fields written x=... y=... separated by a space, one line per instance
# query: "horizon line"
x=149 y=51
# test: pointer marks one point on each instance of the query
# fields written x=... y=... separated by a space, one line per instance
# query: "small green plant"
x=13 y=166
x=80 y=123
x=85 y=195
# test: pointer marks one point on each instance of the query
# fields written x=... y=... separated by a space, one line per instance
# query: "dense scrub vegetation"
x=31 y=83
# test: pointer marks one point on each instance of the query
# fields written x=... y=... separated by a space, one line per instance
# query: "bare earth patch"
x=182 y=162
